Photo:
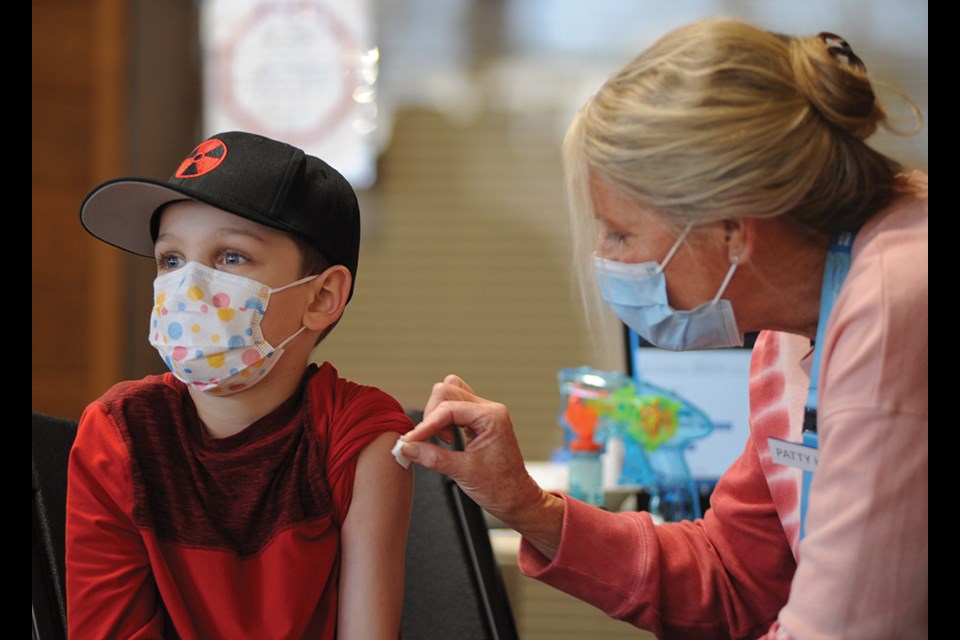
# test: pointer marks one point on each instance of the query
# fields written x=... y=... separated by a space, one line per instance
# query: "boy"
x=247 y=493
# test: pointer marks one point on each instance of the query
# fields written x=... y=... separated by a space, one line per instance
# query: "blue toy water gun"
x=655 y=425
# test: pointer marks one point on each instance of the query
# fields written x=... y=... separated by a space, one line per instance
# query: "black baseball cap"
x=252 y=176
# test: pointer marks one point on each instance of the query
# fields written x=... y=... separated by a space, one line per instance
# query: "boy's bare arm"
x=374 y=542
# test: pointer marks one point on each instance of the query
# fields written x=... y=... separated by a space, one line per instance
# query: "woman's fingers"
x=490 y=469
x=456 y=381
x=452 y=388
x=472 y=416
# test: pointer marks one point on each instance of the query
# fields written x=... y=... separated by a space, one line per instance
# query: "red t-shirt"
x=172 y=533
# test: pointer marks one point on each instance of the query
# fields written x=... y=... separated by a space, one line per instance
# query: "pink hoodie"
x=741 y=571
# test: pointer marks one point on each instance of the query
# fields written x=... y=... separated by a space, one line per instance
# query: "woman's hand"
x=490 y=469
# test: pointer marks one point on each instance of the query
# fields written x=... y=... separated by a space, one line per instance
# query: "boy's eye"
x=168 y=262
x=233 y=258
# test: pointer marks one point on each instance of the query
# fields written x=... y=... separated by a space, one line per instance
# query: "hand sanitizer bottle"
x=586 y=473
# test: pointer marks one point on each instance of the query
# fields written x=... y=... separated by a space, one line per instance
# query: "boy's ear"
x=330 y=291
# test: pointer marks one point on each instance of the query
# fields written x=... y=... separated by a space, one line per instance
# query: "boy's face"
x=191 y=231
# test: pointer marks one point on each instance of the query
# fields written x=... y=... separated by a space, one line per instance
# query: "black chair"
x=454 y=588
x=52 y=439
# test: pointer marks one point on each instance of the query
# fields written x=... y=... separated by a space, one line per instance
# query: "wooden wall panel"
x=61 y=45
x=78 y=102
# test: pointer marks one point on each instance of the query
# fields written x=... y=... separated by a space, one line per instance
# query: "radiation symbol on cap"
x=204 y=159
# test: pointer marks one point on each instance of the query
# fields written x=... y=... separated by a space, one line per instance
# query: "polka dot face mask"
x=206 y=326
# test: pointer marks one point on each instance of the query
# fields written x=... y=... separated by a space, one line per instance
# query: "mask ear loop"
x=287 y=286
x=723 y=287
x=295 y=283
x=287 y=341
x=674 y=248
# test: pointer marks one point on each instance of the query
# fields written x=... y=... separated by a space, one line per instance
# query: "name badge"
x=793 y=454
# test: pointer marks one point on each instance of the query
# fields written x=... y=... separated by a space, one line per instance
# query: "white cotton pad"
x=401 y=459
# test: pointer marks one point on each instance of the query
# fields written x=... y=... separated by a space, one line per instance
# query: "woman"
x=727 y=170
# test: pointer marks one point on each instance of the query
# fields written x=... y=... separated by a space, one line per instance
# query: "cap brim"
x=119 y=212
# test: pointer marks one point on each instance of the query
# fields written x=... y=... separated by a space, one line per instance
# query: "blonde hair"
x=721 y=119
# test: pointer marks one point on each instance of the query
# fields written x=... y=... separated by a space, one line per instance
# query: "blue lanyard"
x=834 y=271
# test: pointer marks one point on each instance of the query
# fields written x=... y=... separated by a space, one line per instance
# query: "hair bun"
x=841 y=50
x=834 y=80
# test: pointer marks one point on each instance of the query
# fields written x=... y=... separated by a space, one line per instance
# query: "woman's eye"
x=614 y=237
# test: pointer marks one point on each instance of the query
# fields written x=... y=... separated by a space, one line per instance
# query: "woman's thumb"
x=427 y=455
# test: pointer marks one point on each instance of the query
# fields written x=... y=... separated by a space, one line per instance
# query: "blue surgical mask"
x=637 y=293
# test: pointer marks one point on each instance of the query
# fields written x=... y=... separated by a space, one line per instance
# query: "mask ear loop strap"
x=287 y=341
x=295 y=283
x=723 y=287
x=302 y=327
x=674 y=248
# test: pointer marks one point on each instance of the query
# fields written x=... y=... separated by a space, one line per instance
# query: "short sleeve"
x=348 y=417
x=110 y=586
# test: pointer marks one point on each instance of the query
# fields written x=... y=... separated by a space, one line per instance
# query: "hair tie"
x=841 y=50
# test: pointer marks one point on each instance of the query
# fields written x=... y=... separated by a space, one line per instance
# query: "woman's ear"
x=740 y=238
x=330 y=291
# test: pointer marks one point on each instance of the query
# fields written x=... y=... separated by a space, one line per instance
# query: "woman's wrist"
x=539 y=519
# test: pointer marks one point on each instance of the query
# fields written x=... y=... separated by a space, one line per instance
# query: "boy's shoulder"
x=332 y=399
x=324 y=383
x=139 y=401
x=148 y=387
